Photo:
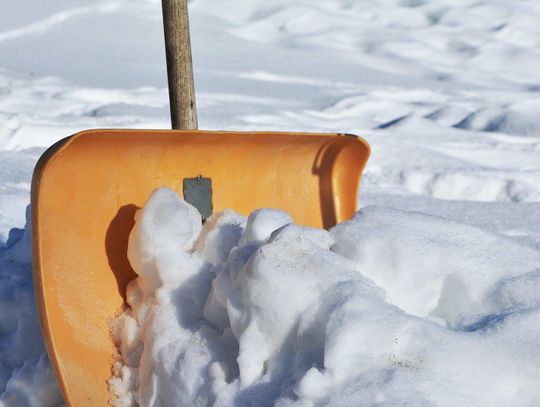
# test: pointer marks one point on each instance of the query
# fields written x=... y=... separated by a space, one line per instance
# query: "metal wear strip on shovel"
x=87 y=187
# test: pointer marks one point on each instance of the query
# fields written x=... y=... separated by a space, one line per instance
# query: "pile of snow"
x=390 y=307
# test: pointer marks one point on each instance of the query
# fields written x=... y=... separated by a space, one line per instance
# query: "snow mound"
x=390 y=307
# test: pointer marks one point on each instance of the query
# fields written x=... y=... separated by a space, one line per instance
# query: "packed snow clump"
x=391 y=307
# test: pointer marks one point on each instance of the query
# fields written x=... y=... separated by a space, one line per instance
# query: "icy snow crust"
x=390 y=307
x=446 y=92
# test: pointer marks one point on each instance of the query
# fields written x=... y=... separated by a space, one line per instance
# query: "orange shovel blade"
x=87 y=188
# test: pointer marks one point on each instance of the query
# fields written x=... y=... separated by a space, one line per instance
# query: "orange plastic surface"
x=87 y=188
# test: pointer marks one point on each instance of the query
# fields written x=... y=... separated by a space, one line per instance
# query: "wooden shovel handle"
x=179 y=65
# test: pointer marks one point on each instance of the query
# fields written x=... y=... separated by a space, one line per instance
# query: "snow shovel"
x=87 y=187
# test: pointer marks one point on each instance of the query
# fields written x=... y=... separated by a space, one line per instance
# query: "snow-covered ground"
x=447 y=94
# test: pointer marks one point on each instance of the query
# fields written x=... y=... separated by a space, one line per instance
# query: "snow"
x=26 y=377
x=445 y=248
x=388 y=307
x=162 y=231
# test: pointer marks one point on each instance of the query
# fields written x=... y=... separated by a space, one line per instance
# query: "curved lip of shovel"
x=63 y=143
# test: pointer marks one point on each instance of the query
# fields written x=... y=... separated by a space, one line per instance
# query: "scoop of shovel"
x=87 y=188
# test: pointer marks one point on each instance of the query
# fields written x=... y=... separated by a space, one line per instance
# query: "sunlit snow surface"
x=447 y=94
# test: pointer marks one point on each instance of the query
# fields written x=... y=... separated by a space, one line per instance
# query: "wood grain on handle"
x=179 y=65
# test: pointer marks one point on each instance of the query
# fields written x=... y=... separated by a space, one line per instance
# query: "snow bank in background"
x=390 y=307
x=26 y=377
